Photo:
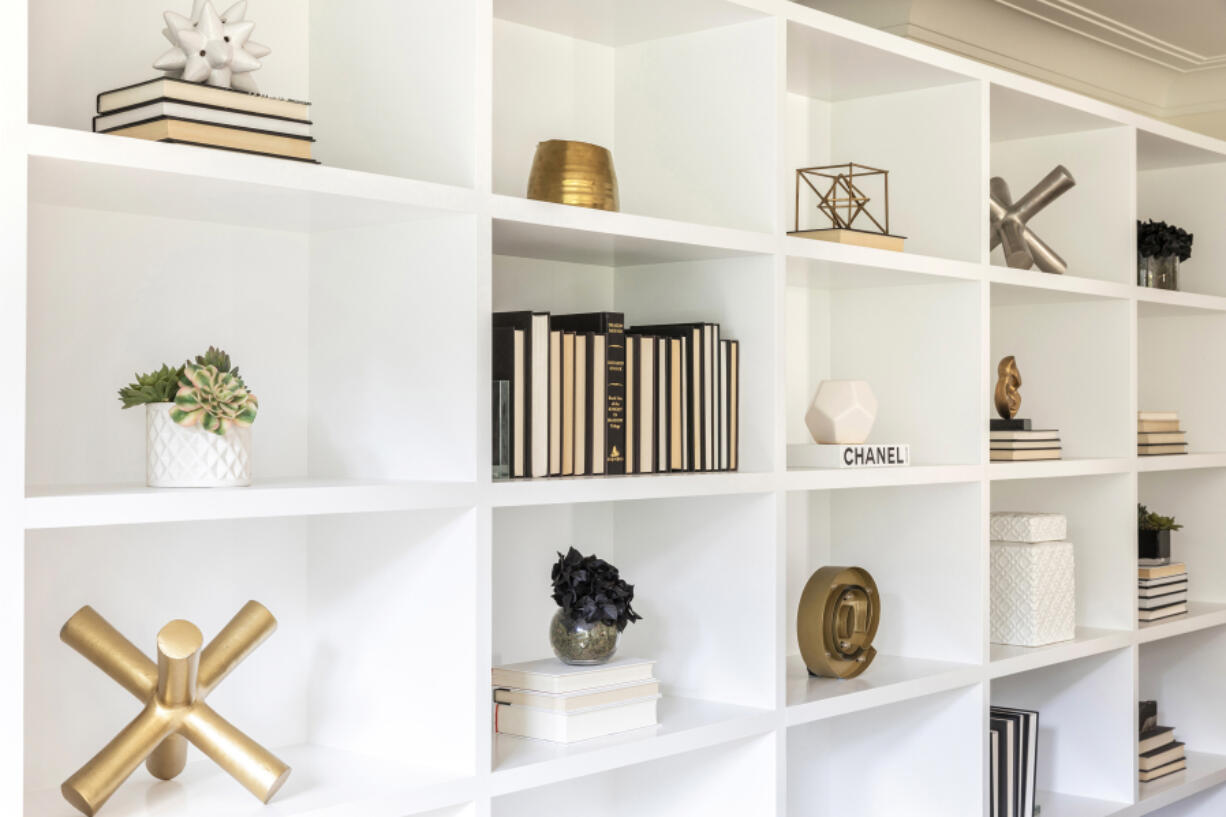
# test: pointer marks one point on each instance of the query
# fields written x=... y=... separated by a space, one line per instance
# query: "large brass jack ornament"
x=837 y=620
x=173 y=692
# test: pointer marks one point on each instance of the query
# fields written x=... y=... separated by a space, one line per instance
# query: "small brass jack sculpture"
x=173 y=692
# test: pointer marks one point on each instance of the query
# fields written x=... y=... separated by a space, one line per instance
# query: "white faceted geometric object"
x=842 y=412
x=1034 y=593
x=178 y=457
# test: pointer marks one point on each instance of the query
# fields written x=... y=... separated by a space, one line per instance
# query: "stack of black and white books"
x=1162 y=590
x=549 y=700
x=590 y=397
x=1024 y=444
x=1159 y=753
x=1014 y=767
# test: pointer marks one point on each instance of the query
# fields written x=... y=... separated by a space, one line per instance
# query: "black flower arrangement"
x=1157 y=238
x=590 y=589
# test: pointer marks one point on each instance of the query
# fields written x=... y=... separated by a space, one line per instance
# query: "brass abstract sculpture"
x=842 y=200
x=575 y=173
x=837 y=620
x=1023 y=249
x=173 y=691
x=1008 y=396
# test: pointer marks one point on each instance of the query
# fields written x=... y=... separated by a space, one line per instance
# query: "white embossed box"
x=1034 y=593
x=1011 y=526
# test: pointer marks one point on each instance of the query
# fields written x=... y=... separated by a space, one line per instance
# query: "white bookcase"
x=356 y=297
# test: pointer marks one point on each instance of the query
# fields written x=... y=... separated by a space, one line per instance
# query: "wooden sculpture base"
x=859 y=238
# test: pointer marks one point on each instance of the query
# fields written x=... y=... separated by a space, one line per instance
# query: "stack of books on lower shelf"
x=582 y=395
x=1015 y=445
x=549 y=700
x=172 y=110
x=1014 y=750
x=1158 y=432
x=1162 y=591
x=1159 y=753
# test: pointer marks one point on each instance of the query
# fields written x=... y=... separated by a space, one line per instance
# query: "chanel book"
x=874 y=455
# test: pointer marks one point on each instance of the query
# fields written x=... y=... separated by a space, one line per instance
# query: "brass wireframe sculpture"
x=173 y=692
x=841 y=198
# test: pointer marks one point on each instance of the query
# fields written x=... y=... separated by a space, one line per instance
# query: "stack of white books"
x=549 y=700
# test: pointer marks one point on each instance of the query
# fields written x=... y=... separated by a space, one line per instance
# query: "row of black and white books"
x=588 y=396
x=1159 y=754
x=1014 y=761
x=1162 y=591
x=1024 y=445
x=549 y=700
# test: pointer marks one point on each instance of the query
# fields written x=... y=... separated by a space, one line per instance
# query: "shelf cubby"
x=313 y=321
x=1175 y=184
x=344 y=614
x=922 y=547
x=847 y=102
x=1090 y=226
x=933 y=769
x=1100 y=512
x=1194 y=499
x=1192 y=391
x=739 y=777
x=904 y=334
x=1066 y=348
x=683 y=100
x=1087 y=728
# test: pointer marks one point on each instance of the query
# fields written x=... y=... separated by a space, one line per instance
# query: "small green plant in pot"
x=1154 y=535
x=198 y=420
x=593 y=609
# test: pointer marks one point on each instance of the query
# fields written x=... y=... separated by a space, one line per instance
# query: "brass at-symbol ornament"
x=837 y=620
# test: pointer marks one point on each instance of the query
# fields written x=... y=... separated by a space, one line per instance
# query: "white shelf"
x=822 y=479
x=1204 y=771
x=1166 y=303
x=1072 y=467
x=889 y=680
x=626 y=488
x=686 y=725
x=1011 y=287
x=1181 y=462
x=1008 y=659
x=1055 y=804
x=85 y=506
x=855 y=267
x=324 y=783
x=102 y=172
x=1200 y=616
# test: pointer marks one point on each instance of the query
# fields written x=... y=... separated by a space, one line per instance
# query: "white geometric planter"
x=178 y=457
x=842 y=412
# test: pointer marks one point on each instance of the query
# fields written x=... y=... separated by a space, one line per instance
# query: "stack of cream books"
x=549 y=700
x=1158 y=432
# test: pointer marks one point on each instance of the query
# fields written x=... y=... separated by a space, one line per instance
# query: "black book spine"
x=503 y=357
x=522 y=320
x=615 y=386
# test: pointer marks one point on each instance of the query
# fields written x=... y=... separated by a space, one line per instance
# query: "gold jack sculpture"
x=173 y=691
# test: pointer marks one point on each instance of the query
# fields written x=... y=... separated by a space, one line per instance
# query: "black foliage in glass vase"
x=590 y=589
x=1157 y=238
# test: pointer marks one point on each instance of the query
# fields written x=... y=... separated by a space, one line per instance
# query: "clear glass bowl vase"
x=580 y=642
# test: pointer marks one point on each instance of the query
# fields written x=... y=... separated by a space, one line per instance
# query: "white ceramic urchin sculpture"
x=842 y=413
x=212 y=48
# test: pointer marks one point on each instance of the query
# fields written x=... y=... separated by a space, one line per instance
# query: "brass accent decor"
x=1008 y=397
x=173 y=692
x=842 y=200
x=837 y=620
x=576 y=173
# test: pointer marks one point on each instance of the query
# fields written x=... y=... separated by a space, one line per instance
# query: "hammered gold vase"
x=576 y=173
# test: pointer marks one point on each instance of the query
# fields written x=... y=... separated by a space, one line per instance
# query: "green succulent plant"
x=1152 y=521
x=154 y=387
x=216 y=357
x=216 y=400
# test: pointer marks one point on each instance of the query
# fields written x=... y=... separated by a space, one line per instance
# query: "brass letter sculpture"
x=173 y=691
x=837 y=620
x=1008 y=398
x=1023 y=249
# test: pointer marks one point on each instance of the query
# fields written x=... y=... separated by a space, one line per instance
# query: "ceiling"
x=1183 y=35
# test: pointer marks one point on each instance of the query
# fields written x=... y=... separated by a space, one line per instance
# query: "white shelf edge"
x=928 y=265
x=1181 y=462
x=124 y=505
x=566 y=490
x=66 y=144
x=1191 y=301
x=822 y=479
x=752 y=723
x=1065 y=284
x=1072 y=467
x=1200 y=616
x=1204 y=772
x=1089 y=642
x=1059 y=804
